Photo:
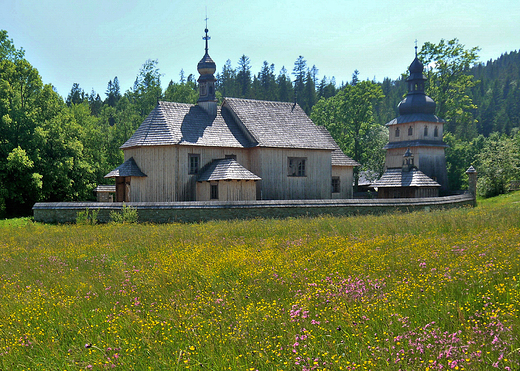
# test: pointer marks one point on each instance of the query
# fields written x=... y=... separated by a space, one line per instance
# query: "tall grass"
x=419 y=291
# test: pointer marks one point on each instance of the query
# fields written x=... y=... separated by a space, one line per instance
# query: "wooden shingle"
x=226 y=169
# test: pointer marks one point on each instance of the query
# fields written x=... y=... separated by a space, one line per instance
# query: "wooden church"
x=242 y=150
x=415 y=159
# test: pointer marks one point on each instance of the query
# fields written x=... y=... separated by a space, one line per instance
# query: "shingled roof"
x=338 y=157
x=226 y=169
x=127 y=168
x=277 y=124
x=180 y=123
x=414 y=117
x=396 y=177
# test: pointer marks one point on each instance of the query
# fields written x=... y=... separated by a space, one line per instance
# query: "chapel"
x=242 y=149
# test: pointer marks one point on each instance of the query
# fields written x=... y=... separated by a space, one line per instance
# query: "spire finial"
x=415 y=48
x=206 y=31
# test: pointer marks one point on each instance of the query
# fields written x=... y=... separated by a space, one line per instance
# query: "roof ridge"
x=261 y=101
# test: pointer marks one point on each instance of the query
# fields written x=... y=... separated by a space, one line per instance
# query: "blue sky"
x=91 y=41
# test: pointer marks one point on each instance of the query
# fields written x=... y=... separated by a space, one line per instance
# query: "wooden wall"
x=232 y=190
x=346 y=178
x=167 y=169
x=418 y=131
x=271 y=164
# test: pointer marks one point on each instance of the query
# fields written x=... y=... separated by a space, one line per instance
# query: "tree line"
x=55 y=149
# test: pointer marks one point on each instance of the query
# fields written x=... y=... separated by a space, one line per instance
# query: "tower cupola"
x=206 y=68
x=416 y=100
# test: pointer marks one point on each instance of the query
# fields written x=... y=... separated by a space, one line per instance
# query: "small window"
x=202 y=90
x=436 y=132
x=193 y=164
x=234 y=157
x=426 y=131
x=410 y=131
x=397 y=132
x=335 y=184
x=214 y=191
x=296 y=166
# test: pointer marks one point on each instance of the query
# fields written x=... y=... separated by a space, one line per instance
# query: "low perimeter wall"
x=165 y=212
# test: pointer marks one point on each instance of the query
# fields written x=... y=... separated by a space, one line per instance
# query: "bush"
x=87 y=217
x=128 y=214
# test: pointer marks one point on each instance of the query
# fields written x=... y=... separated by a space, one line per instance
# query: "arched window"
x=397 y=132
x=426 y=131
x=410 y=131
x=436 y=132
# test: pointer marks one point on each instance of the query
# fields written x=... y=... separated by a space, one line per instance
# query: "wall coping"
x=400 y=202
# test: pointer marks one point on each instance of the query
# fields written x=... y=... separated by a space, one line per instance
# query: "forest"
x=55 y=148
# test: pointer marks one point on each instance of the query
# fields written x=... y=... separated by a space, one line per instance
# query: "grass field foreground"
x=421 y=291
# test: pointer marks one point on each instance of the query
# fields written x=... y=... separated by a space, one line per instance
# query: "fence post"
x=472 y=175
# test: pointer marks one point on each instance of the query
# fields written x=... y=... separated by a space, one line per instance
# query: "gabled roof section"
x=396 y=177
x=187 y=124
x=127 y=168
x=338 y=157
x=277 y=124
x=226 y=169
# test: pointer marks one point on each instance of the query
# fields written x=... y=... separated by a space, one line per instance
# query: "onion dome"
x=207 y=68
x=416 y=100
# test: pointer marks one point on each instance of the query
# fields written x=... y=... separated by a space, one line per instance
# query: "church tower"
x=207 y=68
x=419 y=129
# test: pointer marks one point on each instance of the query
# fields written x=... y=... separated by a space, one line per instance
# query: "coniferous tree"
x=285 y=87
x=244 y=77
x=299 y=72
x=76 y=95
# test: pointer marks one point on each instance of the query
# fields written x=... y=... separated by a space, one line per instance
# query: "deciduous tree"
x=349 y=118
x=448 y=64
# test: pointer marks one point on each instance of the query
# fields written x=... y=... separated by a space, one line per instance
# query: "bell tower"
x=417 y=130
x=207 y=68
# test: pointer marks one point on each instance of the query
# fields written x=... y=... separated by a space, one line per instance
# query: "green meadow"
x=420 y=291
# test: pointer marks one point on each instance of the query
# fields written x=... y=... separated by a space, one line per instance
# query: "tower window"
x=410 y=131
x=436 y=132
x=426 y=131
x=202 y=90
x=397 y=132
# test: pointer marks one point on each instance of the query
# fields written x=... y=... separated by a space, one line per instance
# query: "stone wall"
x=166 y=212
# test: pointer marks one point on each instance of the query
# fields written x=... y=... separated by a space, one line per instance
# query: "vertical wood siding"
x=232 y=190
x=346 y=179
x=271 y=164
x=167 y=170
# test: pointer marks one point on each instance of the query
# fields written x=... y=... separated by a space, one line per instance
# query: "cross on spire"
x=206 y=38
x=415 y=48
